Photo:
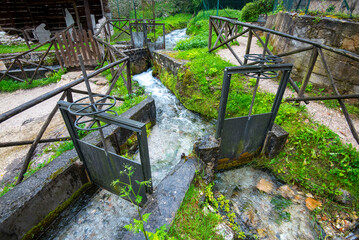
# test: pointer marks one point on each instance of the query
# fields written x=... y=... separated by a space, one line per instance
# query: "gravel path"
x=334 y=119
x=26 y=125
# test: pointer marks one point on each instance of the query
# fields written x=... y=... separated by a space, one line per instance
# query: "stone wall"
x=332 y=32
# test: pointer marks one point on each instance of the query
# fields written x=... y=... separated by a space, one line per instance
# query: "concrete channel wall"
x=30 y=202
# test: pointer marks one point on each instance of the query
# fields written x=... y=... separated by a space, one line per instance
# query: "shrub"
x=250 y=12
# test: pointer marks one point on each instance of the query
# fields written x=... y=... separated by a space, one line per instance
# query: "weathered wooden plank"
x=94 y=47
x=72 y=48
x=58 y=39
x=58 y=56
x=78 y=48
x=67 y=48
x=91 y=57
x=83 y=45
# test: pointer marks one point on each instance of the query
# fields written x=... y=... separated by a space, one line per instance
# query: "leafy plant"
x=127 y=191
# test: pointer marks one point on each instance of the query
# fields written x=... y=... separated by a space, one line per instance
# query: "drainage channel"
x=102 y=215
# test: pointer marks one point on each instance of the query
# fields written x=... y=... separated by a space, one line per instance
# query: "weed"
x=126 y=191
x=191 y=222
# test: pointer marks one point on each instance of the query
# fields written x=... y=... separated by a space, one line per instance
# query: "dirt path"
x=334 y=119
x=26 y=125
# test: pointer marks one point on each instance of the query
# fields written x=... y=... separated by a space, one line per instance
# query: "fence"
x=67 y=46
x=227 y=30
x=348 y=7
x=125 y=28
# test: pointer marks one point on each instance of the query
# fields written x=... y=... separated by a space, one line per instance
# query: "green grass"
x=11 y=85
x=22 y=48
x=191 y=222
x=314 y=156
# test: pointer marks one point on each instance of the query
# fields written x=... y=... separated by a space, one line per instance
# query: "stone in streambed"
x=312 y=204
x=265 y=186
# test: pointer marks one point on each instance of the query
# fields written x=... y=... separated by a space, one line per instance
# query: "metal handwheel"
x=89 y=108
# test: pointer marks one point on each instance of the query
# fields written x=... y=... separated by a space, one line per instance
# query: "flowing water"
x=102 y=215
x=172 y=38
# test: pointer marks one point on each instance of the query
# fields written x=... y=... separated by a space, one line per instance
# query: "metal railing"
x=126 y=27
x=66 y=92
x=227 y=30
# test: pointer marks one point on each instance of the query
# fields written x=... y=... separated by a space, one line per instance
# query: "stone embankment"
x=332 y=32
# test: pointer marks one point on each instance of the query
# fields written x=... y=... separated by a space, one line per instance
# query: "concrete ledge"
x=167 y=197
x=32 y=200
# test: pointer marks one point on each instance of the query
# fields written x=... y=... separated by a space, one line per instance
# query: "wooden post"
x=41 y=61
x=249 y=43
x=341 y=103
x=129 y=81
x=36 y=141
x=88 y=15
x=210 y=34
x=311 y=65
x=78 y=22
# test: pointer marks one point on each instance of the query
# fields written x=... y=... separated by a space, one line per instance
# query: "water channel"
x=102 y=215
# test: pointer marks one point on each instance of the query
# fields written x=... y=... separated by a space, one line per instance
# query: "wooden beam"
x=88 y=15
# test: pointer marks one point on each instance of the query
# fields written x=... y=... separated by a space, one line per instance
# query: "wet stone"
x=225 y=231
x=276 y=139
x=207 y=148
x=345 y=197
x=265 y=186
x=286 y=192
x=257 y=214
x=312 y=204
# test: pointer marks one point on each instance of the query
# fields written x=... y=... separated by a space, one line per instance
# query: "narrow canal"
x=102 y=215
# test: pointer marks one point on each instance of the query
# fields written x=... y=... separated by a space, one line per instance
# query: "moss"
x=56 y=173
x=35 y=231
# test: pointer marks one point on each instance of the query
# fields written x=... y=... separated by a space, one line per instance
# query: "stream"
x=101 y=214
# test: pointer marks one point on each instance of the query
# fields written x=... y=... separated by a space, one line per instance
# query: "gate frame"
x=229 y=71
x=138 y=127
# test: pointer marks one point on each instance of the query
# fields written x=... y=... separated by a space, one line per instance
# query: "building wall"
x=22 y=14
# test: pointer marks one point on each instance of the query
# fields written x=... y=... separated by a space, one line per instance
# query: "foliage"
x=127 y=191
x=331 y=8
x=12 y=85
x=316 y=159
x=221 y=203
x=191 y=222
x=250 y=12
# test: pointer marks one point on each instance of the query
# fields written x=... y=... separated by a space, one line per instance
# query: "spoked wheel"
x=85 y=109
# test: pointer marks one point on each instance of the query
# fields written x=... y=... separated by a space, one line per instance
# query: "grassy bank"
x=314 y=157
x=12 y=85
